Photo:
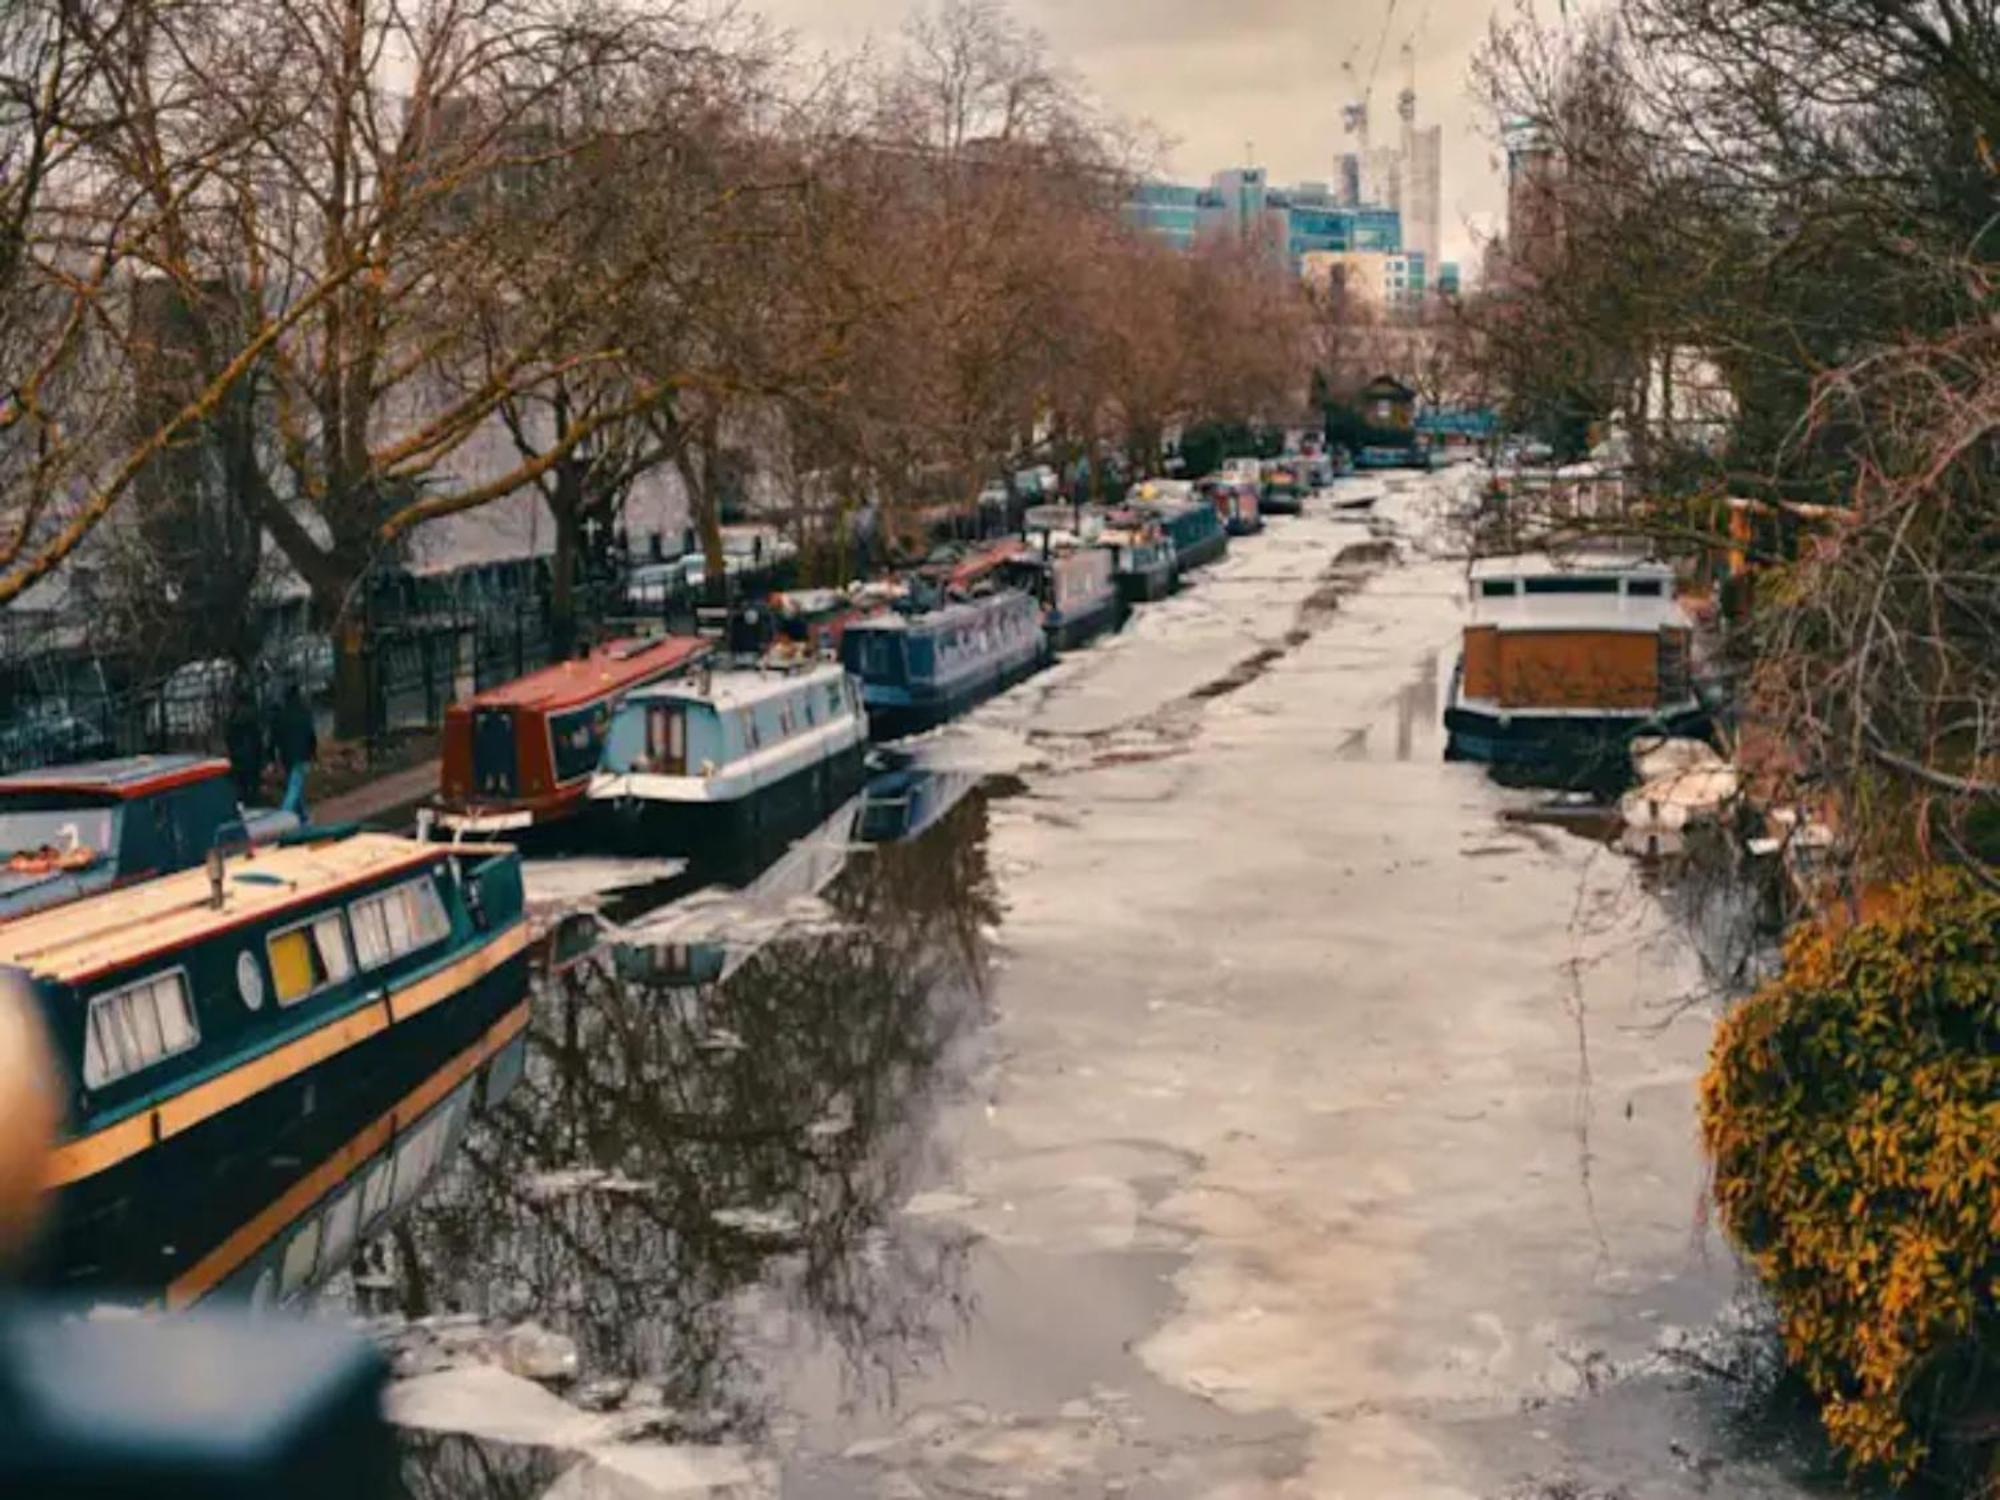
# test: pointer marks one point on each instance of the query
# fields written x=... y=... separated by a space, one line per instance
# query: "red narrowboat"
x=519 y=757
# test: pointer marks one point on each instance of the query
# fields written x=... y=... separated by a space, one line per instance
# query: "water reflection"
x=279 y=1226
x=713 y=1133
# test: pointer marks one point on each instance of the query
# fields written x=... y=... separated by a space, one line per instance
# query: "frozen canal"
x=1215 y=1095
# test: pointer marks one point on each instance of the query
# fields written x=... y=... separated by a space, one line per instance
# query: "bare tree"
x=1800 y=193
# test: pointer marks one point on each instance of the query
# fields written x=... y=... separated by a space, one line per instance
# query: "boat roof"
x=944 y=614
x=812 y=601
x=740 y=687
x=611 y=668
x=126 y=778
x=970 y=569
x=1548 y=565
x=117 y=930
x=1619 y=612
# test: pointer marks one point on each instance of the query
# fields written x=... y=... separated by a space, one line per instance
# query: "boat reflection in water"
x=715 y=1131
x=277 y=1228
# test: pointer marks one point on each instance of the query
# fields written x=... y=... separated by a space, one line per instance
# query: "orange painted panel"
x=1482 y=662
x=1579 y=669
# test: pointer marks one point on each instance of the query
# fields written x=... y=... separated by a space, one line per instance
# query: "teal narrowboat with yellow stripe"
x=203 y=1016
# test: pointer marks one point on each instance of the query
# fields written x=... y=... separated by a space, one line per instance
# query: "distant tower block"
x=1421 y=199
x=1423 y=195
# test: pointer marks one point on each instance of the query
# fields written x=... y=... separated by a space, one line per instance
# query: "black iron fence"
x=427 y=643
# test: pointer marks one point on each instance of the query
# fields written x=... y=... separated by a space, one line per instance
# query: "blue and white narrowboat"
x=919 y=668
x=201 y=1017
x=693 y=765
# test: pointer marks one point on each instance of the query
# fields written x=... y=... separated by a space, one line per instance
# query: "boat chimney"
x=215 y=863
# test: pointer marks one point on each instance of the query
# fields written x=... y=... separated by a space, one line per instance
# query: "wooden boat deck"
x=75 y=942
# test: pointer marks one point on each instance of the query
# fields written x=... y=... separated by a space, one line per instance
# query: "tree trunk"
x=714 y=562
x=568 y=511
x=697 y=463
x=353 y=718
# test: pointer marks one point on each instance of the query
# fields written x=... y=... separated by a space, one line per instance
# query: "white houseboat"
x=690 y=765
x=1569 y=657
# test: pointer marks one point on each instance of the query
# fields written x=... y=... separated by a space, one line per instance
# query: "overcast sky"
x=1217 y=76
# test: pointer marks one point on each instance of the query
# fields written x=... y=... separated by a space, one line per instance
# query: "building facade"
x=1378 y=281
x=1241 y=205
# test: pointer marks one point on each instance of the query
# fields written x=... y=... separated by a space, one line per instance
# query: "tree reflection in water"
x=761 y=1133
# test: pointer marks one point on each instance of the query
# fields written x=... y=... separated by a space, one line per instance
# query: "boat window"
x=833 y=697
x=922 y=656
x=308 y=958
x=1646 y=588
x=400 y=920
x=136 y=1026
x=38 y=839
x=578 y=741
x=1497 y=588
x=1570 y=585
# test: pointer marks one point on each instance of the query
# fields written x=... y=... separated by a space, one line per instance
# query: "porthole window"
x=249 y=980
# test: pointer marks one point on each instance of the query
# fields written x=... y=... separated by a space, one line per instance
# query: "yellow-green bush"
x=1852 y=1109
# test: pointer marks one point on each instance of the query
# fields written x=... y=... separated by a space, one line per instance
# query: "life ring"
x=48 y=860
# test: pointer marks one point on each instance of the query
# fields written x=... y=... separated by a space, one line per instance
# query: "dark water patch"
x=1371 y=553
x=1587 y=818
x=1241 y=675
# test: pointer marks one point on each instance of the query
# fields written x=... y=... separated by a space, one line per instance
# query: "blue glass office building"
x=1239 y=203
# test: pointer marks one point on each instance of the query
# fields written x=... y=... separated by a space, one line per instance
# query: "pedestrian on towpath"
x=246 y=748
x=294 y=743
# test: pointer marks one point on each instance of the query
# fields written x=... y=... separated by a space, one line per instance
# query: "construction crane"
x=1354 y=115
x=1406 y=102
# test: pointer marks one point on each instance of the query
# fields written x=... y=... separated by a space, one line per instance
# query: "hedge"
x=1852 y=1111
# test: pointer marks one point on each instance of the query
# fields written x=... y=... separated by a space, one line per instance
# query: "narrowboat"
x=1565 y=660
x=1284 y=489
x=199 y=1018
x=1142 y=555
x=1235 y=504
x=518 y=758
x=918 y=668
x=813 y=620
x=711 y=760
x=1078 y=595
x=1190 y=522
x=72 y=831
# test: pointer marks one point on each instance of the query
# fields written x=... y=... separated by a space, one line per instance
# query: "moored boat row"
x=666 y=745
